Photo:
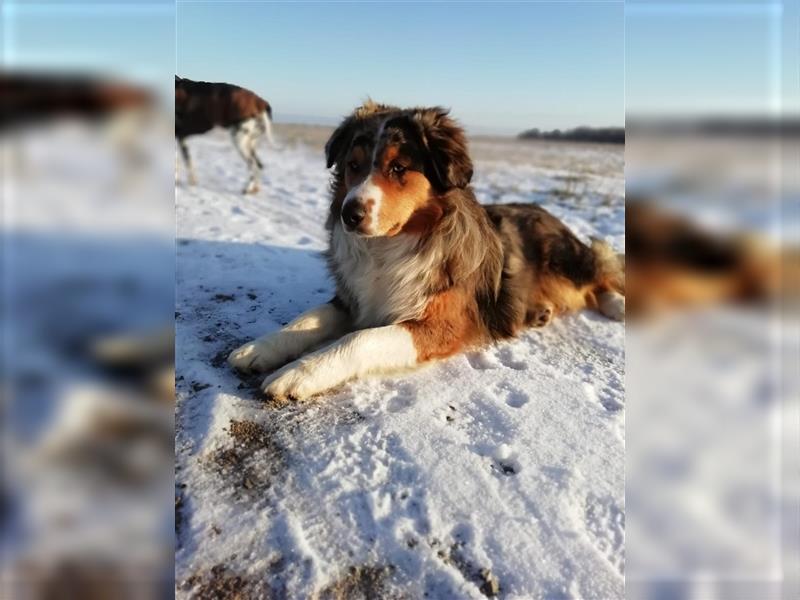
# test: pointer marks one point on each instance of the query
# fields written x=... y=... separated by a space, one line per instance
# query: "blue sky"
x=129 y=39
x=501 y=67
x=728 y=57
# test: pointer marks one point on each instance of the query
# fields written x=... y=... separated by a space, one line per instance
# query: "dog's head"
x=393 y=166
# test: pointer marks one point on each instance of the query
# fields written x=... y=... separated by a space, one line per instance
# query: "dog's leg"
x=367 y=351
x=612 y=304
x=313 y=327
x=441 y=333
x=610 y=268
x=253 y=144
x=187 y=159
x=242 y=138
x=539 y=314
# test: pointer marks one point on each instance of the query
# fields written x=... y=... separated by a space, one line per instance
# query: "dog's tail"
x=609 y=266
x=266 y=126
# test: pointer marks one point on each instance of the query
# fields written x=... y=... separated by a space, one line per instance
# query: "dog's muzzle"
x=353 y=214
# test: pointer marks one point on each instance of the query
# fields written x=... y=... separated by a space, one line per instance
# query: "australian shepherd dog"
x=422 y=270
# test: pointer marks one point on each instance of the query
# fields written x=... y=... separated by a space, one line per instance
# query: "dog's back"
x=550 y=268
x=200 y=106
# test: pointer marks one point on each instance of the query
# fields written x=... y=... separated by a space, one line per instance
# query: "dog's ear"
x=339 y=141
x=450 y=165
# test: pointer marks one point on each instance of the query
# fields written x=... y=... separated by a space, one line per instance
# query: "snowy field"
x=713 y=393
x=87 y=258
x=495 y=473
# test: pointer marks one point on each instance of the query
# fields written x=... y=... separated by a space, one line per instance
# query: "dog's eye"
x=353 y=165
x=398 y=169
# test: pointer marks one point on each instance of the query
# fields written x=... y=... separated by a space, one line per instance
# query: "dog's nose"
x=352 y=214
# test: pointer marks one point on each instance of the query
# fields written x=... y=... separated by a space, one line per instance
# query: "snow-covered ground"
x=87 y=259
x=713 y=393
x=499 y=471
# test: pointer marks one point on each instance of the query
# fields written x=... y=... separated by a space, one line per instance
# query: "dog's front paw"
x=258 y=356
x=299 y=380
x=289 y=383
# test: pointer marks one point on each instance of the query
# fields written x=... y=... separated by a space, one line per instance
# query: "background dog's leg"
x=253 y=141
x=313 y=327
x=245 y=136
x=187 y=160
x=367 y=351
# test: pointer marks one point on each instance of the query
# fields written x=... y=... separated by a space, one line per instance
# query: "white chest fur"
x=385 y=277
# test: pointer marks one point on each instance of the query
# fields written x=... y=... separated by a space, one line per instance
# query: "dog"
x=674 y=263
x=200 y=106
x=422 y=270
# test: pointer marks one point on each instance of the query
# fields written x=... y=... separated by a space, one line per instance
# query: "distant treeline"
x=602 y=135
x=743 y=126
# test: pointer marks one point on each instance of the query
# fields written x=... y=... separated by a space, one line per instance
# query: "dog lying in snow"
x=422 y=270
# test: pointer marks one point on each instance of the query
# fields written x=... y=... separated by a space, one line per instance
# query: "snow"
x=502 y=467
x=713 y=392
x=87 y=256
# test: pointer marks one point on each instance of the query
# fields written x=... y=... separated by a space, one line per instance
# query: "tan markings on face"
x=402 y=195
x=424 y=218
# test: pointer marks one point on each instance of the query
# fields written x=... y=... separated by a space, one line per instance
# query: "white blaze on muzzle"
x=362 y=194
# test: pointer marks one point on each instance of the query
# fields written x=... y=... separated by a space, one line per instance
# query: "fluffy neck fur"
x=386 y=280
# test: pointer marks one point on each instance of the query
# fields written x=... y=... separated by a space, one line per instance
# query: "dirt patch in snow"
x=220 y=581
x=252 y=461
x=364 y=582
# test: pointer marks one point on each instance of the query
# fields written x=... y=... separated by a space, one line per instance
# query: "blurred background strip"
x=87 y=299
x=712 y=101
